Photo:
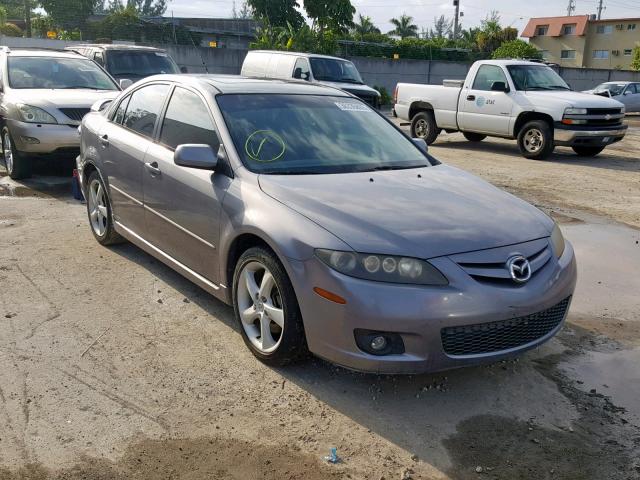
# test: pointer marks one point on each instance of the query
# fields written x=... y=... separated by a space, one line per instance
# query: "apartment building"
x=583 y=41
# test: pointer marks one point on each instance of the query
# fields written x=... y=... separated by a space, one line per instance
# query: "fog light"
x=31 y=140
x=378 y=343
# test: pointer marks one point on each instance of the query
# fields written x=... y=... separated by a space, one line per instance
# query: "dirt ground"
x=112 y=366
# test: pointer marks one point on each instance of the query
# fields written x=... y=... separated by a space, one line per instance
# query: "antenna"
x=572 y=7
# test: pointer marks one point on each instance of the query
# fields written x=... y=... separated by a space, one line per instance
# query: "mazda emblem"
x=519 y=269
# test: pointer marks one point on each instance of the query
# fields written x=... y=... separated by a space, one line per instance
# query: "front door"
x=182 y=205
x=483 y=110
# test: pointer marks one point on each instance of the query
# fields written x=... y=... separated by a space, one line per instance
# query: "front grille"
x=504 y=334
x=75 y=113
x=603 y=111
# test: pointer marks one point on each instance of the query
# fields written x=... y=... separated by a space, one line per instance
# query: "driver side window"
x=487 y=75
x=301 y=69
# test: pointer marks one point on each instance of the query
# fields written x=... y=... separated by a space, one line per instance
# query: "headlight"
x=33 y=114
x=623 y=109
x=382 y=268
x=575 y=111
x=557 y=240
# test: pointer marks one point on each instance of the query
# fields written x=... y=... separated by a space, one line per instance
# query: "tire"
x=99 y=212
x=423 y=125
x=474 y=137
x=587 y=151
x=276 y=309
x=17 y=163
x=535 y=140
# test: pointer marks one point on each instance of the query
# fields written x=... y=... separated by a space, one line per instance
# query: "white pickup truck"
x=515 y=99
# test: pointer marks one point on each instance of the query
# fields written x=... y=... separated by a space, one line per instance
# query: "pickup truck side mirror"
x=500 y=87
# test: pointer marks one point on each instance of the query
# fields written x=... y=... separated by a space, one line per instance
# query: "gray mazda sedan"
x=324 y=225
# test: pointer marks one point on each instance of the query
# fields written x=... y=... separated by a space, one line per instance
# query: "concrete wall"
x=375 y=71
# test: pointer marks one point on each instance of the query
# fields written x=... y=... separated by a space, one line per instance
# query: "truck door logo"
x=480 y=101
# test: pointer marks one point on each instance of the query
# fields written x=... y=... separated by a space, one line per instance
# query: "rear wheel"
x=536 y=140
x=423 y=125
x=266 y=308
x=99 y=211
x=474 y=137
x=18 y=165
x=587 y=151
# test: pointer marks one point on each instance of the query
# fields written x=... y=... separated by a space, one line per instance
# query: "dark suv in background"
x=130 y=62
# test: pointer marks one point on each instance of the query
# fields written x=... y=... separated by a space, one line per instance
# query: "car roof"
x=240 y=84
x=299 y=54
x=34 y=52
x=115 y=46
x=612 y=82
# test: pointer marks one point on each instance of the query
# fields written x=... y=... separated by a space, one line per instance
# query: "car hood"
x=351 y=87
x=424 y=213
x=572 y=99
x=54 y=98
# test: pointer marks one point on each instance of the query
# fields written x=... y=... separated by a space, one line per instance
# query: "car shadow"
x=606 y=160
x=48 y=180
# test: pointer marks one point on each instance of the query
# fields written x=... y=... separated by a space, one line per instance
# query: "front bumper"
x=570 y=136
x=37 y=138
x=419 y=313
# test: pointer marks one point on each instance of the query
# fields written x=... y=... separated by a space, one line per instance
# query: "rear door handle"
x=471 y=97
x=104 y=140
x=152 y=168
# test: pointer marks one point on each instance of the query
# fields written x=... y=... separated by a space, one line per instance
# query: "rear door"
x=182 y=205
x=483 y=110
x=124 y=141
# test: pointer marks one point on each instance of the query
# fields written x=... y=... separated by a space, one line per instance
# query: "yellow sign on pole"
x=396 y=56
x=52 y=34
x=213 y=44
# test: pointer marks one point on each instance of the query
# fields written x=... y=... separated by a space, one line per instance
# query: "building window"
x=604 y=29
x=541 y=30
x=568 y=54
x=601 y=54
x=627 y=52
x=569 y=29
x=631 y=26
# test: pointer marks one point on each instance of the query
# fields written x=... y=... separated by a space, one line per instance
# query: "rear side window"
x=487 y=75
x=188 y=121
x=633 y=88
x=144 y=107
x=118 y=117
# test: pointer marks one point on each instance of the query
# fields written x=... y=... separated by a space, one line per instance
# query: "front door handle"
x=104 y=140
x=152 y=168
x=471 y=97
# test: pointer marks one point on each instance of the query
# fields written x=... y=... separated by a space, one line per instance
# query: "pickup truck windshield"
x=536 y=77
x=57 y=72
x=307 y=134
x=332 y=70
x=139 y=63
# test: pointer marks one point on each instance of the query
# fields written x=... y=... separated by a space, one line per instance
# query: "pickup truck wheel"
x=536 y=140
x=18 y=165
x=423 y=125
x=587 y=151
x=474 y=137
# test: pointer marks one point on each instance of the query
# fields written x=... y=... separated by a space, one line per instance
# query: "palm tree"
x=364 y=26
x=404 y=27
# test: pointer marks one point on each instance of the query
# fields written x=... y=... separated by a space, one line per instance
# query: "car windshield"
x=536 y=77
x=307 y=134
x=334 y=70
x=139 y=63
x=57 y=72
x=614 y=88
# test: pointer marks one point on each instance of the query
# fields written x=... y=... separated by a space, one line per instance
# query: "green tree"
x=442 y=28
x=243 y=13
x=492 y=34
x=144 y=8
x=364 y=26
x=404 y=27
x=277 y=13
x=336 y=15
x=635 y=62
x=516 y=49
x=70 y=14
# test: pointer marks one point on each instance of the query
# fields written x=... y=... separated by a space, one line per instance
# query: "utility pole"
x=27 y=18
x=571 y=7
x=456 y=3
x=600 y=7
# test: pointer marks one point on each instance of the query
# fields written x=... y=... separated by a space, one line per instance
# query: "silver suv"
x=43 y=96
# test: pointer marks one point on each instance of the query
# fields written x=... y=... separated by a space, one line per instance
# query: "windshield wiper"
x=560 y=87
x=382 y=168
x=85 y=87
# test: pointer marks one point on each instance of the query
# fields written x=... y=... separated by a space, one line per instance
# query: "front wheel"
x=18 y=165
x=535 y=140
x=587 y=151
x=99 y=211
x=423 y=125
x=474 y=137
x=266 y=308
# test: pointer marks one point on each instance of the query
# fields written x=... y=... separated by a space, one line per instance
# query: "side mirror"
x=421 y=144
x=183 y=70
x=500 y=87
x=125 y=83
x=195 y=156
x=627 y=92
x=100 y=105
x=297 y=73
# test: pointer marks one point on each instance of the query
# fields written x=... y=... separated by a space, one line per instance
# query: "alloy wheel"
x=260 y=306
x=533 y=140
x=422 y=128
x=97 y=208
x=8 y=152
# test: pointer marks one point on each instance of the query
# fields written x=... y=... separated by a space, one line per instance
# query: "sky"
x=512 y=12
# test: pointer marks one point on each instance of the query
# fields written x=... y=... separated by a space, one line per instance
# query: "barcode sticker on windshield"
x=352 y=107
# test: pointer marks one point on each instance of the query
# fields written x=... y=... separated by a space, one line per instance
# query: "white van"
x=332 y=71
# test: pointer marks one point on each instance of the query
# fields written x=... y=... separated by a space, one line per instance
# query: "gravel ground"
x=112 y=366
